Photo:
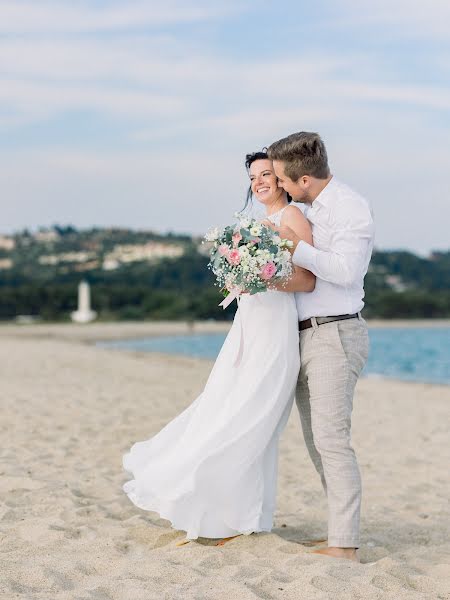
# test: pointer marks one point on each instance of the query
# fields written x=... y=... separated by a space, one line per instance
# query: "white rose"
x=255 y=230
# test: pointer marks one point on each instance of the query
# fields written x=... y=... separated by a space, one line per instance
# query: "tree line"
x=398 y=285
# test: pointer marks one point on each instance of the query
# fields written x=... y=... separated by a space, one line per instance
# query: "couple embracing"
x=212 y=470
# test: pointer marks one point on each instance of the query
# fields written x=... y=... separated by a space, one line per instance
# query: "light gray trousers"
x=332 y=357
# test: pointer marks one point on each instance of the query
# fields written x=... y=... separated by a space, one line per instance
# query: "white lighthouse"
x=84 y=314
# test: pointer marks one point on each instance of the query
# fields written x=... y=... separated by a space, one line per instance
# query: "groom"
x=333 y=335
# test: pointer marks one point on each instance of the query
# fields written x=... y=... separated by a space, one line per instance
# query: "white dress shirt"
x=343 y=232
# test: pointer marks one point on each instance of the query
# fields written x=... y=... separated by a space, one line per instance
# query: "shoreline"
x=97 y=332
x=110 y=330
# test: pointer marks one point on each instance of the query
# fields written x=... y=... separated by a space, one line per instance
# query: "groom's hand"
x=285 y=233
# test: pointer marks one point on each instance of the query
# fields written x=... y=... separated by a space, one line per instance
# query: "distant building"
x=128 y=253
x=87 y=266
x=7 y=243
x=5 y=263
x=110 y=264
x=67 y=257
x=46 y=236
x=396 y=283
x=48 y=260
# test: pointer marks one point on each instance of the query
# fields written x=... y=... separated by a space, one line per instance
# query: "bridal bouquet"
x=247 y=256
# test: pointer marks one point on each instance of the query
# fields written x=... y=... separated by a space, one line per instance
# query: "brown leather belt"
x=322 y=320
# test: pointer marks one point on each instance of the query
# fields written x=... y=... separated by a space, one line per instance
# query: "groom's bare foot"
x=349 y=553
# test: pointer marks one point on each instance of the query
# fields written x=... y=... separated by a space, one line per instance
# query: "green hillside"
x=144 y=275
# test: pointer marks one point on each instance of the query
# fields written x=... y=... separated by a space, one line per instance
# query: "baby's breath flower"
x=212 y=235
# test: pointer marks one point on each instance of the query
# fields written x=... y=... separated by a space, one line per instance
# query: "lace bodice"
x=276 y=217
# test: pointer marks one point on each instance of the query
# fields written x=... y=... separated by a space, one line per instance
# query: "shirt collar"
x=325 y=195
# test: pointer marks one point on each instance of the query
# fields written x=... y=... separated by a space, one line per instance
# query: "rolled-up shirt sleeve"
x=346 y=263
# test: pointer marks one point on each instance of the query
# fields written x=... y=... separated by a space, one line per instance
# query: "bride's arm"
x=301 y=279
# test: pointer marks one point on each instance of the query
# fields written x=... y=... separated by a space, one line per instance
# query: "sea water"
x=410 y=353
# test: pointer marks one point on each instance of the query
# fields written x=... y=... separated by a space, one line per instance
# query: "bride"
x=212 y=470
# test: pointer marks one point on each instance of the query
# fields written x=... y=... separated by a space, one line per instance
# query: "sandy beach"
x=69 y=410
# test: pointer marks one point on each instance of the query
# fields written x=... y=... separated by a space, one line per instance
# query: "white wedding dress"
x=212 y=470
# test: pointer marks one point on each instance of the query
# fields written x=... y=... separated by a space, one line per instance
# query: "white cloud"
x=140 y=79
x=63 y=16
x=408 y=18
x=41 y=101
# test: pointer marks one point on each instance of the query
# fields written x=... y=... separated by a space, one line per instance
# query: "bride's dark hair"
x=249 y=160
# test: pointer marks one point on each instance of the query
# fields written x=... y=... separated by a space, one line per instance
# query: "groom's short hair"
x=303 y=153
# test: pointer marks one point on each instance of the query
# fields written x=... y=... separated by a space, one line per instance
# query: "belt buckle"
x=306 y=324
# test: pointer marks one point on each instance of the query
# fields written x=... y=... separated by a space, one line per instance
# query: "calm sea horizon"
x=418 y=354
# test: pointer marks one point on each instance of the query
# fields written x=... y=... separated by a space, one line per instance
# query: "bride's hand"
x=286 y=233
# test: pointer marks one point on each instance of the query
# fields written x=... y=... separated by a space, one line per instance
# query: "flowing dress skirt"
x=212 y=470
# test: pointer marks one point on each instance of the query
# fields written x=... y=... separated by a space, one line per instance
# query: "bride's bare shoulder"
x=293 y=214
x=294 y=218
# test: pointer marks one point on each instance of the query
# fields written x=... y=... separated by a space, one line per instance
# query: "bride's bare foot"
x=225 y=540
x=349 y=553
x=182 y=543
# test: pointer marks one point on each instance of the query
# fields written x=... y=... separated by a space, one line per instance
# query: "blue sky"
x=140 y=113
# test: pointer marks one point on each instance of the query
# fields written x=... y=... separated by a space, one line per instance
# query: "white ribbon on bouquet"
x=229 y=299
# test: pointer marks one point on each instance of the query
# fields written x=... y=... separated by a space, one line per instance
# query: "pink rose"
x=234 y=257
x=223 y=249
x=237 y=237
x=268 y=271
